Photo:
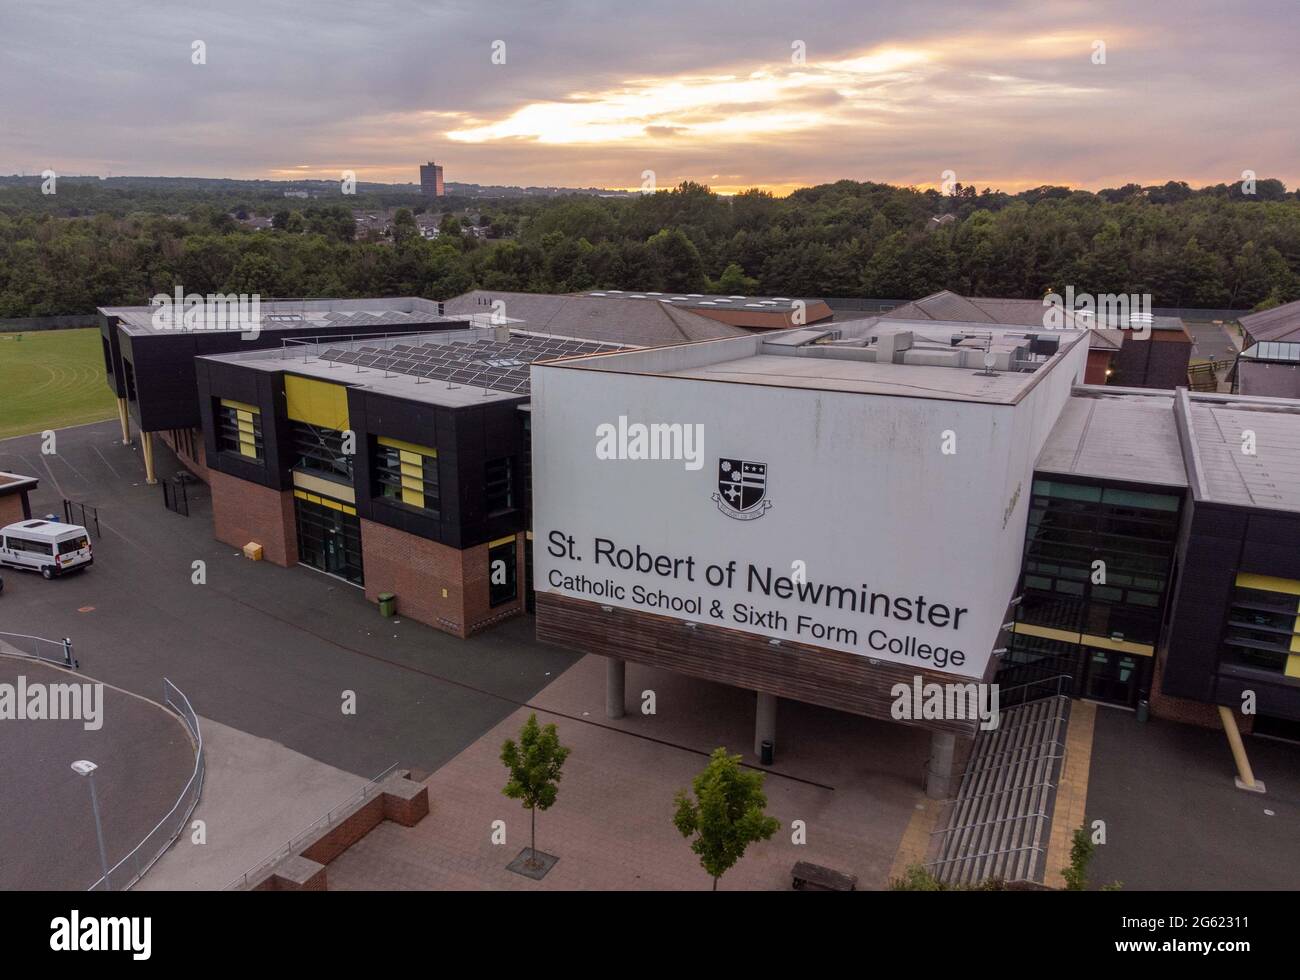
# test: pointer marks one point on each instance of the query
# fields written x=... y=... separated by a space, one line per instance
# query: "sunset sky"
x=1001 y=94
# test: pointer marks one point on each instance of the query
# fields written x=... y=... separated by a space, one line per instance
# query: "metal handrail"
x=318 y=824
x=189 y=797
x=976 y=857
x=64 y=645
x=1040 y=815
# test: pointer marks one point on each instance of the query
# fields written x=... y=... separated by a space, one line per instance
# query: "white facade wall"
x=861 y=493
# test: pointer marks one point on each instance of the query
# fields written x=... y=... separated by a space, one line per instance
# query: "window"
x=407 y=473
x=499 y=485
x=1263 y=625
x=503 y=583
x=320 y=450
x=73 y=544
x=1098 y=559
x=239 y=429
x=28 y=546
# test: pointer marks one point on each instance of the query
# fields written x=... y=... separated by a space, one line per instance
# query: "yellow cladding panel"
x=410 y=447
x=1267 y=583
x=240 y=406
x=1121 y=646
x=325 y=488
x=508 y=539
x=318 y=403
x=1046 y=632
x=324 y=501
x=1293 y=665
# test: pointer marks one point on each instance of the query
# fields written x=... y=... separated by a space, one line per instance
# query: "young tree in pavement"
x=726 y=815
x=534 y=763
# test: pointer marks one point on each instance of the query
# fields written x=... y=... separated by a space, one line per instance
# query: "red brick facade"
x=197 y=463
x=419 y=571
x=244 y=512
x=11 y=509
x=1190 y=712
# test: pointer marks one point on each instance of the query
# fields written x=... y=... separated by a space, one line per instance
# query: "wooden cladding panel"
x=816 y=675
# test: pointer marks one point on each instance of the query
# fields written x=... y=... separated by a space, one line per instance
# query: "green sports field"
x=50 y=379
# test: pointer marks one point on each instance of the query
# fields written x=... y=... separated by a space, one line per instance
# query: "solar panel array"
x=494 y=364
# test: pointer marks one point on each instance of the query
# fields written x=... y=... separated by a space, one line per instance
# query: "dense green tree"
x=726 y=815
x=535 y=764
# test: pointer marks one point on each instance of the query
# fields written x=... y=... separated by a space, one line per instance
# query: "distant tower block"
x=431 y=179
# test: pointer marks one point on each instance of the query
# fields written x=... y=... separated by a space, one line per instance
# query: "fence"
x=89 y=515
x=38 y=648
x=141 y=858
x=322 y=823
x=32 y=324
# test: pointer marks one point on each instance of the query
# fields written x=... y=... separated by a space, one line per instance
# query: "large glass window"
x=499 y=485
x=1097 y=559
x=239 y=428
x=320 y=450
x=1263 y=628
x=407 y=473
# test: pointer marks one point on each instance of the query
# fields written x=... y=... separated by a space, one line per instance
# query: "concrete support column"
x=615 y=674
x=146 y=448
x=765 y=723
x=125 y=419
x=939 y=776
x=1245 y=775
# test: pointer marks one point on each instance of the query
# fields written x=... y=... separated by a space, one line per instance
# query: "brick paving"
x=853 y=781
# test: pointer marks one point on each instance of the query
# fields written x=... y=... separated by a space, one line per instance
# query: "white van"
x=48 y=547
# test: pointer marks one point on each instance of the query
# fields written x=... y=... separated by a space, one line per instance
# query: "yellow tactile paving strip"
x=915 y=845
x=1071 y=792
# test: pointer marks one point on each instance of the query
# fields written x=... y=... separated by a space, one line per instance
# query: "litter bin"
x=1143 y=709
x=765 y=756
x=387 y=604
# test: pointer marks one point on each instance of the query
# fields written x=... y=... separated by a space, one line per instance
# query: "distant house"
x=1269 y=363
x=939 y=221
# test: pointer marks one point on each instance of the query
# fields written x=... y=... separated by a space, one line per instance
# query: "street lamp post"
x=84 y=767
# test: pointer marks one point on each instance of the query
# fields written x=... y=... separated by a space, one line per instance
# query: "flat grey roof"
x=369 y=315
x=1224 y=473
x=793 y=359
x=864 y=377
x=1116 y=434
x=452 y=368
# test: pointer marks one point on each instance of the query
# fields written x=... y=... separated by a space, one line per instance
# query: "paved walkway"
x=852 y=781
x=256 y=796
x=1174 y=819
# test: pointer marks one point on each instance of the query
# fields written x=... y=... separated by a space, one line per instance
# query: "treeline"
x=1213 y=247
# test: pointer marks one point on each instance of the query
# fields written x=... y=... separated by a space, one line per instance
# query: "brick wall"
x=418 y=571
x=478 y=613
x=196 y=465
x=11 y=509
x=244 y=512
x=1190 y=712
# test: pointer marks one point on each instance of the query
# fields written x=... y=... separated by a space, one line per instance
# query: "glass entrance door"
x=1110 y=676
x=329 y=540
